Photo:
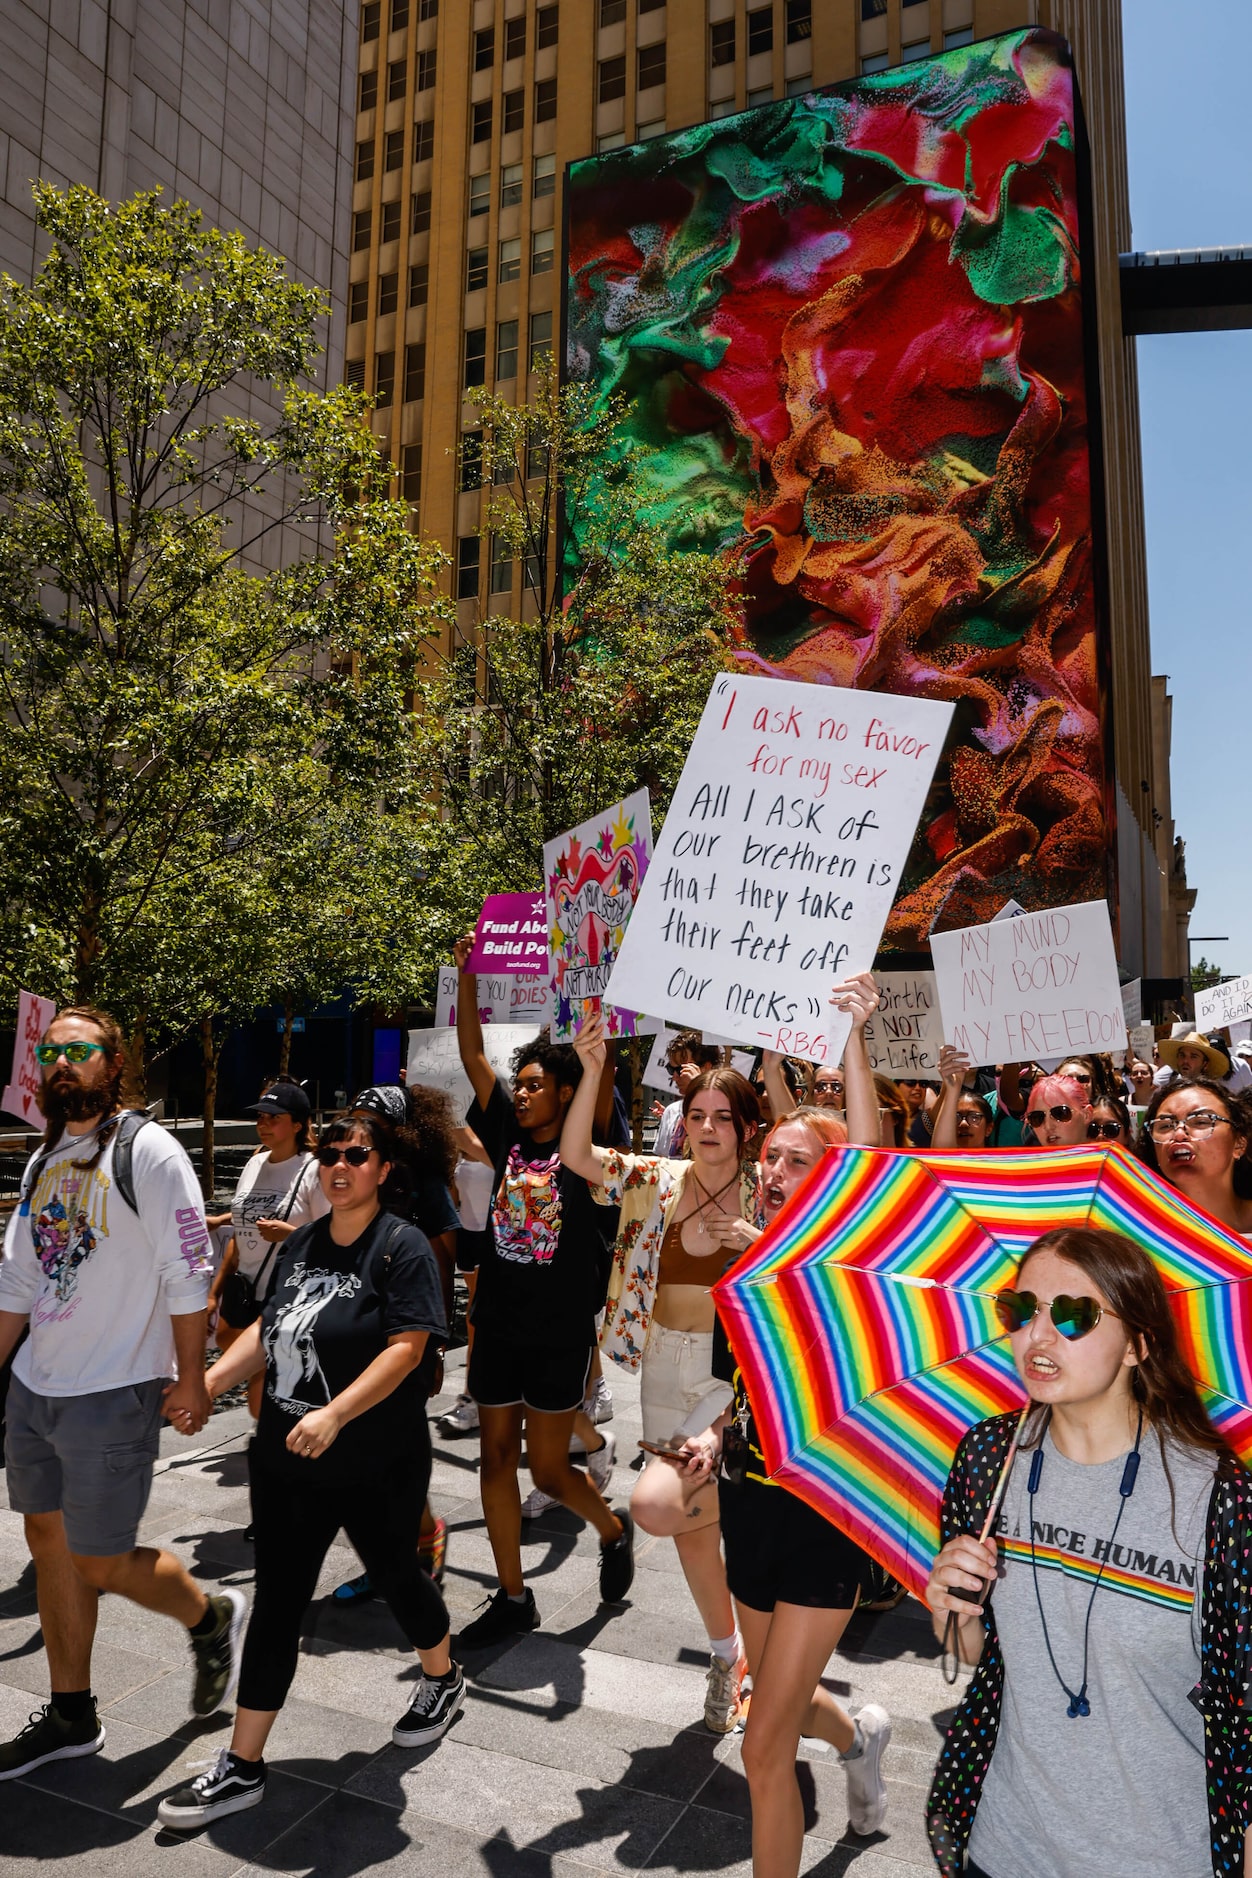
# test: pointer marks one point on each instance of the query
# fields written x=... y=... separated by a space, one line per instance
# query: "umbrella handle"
x=951 y=1659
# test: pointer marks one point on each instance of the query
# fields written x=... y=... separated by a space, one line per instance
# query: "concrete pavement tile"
x=114 y=1672
x=823 y=1788
x=646 y=1756
x=553 y=1672
x=62 y=1839
x=640 y=1629
x=544 y=1809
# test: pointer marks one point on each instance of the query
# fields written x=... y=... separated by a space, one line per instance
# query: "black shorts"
x=508 y=1371
x=779 y=1551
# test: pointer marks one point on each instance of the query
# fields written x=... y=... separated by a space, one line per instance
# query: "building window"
x=541 y=247
x=916 y=49
x=484 y=49
x=480 y=194
x=475 y=356
x=540 y=338
x=414 y=373
x=358 y=301
x=501 y=566
x=367 y=91
x=797 y=87
x=426 y=70
x=764 y=95
x=546 y=27
x=393 y=150
x=428 y=10
x=506 y=349
x=873 y=9
x=545 y=100
x=510 y=259
x=515 y=38
x=371 y=15
x=361 y=230
x=513 y=105
x=545 y=176
x=611 y=11
x=354 y=374
x=411 y=473
x=760 y=30
x=397 y=73
x=612 y=79
x=424 y=141
x=384 y=378
x=364 y=161
x=962 y=36
x=481 y=131
x=536 y=461
x=468 y=550
x=391 y=222
x=722 y=42
x=475 y=269
x=510 y=185
x=655 y=127
x=611 y=140
x=650 y=6
x=799 y=20
x=652 y=65
x=471 y=461
x=420 y=220
x=873 y=62
x=399 y=14
x=419 y=283
x=388 y=292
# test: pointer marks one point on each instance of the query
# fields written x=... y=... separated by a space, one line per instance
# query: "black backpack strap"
x=129 y=1124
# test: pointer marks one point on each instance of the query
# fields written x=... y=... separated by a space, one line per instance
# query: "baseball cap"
x=283 y=1098
x=387 y=1099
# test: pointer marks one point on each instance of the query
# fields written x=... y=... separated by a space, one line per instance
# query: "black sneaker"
x=501 y=1619
x=217 y=1656
x=431 y=1712
x=47 y=1736
x=229 y=1786
x=617 y=1561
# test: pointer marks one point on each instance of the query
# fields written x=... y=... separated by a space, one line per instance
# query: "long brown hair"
x=117 y=1089
x=745 y=1110
x=1161 y=1384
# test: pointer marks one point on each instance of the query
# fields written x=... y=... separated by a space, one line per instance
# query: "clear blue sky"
x=1187 y=109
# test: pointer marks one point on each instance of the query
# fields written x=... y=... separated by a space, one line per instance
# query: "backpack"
x=129 y=1122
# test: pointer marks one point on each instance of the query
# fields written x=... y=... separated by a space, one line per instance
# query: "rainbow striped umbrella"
x=863 y=1318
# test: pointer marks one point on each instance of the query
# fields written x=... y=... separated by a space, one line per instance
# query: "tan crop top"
x=677 y=1266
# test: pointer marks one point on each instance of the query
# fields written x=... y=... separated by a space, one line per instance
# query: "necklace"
x=709 y=1200
x=1078 y=1703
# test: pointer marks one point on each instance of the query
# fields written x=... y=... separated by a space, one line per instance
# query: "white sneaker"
x=598 y=1402
x=536 y=1503
x=867 y=1790
x=722 y=1702
x=600 y=1464
x=461 y=1418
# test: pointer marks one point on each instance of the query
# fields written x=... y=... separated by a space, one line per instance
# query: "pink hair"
x=1064 y=1088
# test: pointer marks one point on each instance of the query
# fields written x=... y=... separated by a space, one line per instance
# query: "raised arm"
x=578 y=1152
x=952 y=1068
x=605 y=1087
x=859 y=996
x=781 y=1100
x=469 y=1031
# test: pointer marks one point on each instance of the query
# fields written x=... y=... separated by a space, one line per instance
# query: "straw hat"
x=1215 y=1061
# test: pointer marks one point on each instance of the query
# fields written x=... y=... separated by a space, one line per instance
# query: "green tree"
x=171 y=713
x=529 y=725
x=1204 y=973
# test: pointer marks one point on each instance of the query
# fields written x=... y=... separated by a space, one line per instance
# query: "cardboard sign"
x=433 y=1059
x=1132 y=1003
x=1223 y=1004
x=34 y=1014
x=779 y=860
x=593 y=874
x=1142 y=1038
x=1020 y=990
x=501 y=1000
x=905 y=1034
x=511 y=935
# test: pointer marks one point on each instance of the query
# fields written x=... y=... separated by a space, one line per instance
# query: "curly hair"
x=558 y=1060
x=1238 y=1109
x=428 y=1133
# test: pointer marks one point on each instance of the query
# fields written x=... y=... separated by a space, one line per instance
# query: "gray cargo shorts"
x=87 y=1457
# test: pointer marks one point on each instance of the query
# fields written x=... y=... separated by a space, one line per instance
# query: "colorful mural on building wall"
x=847 y=331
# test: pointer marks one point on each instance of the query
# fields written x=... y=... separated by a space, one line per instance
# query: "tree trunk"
x=136 y=1058
x=638 y=1063
x=209 y=1053
x=284 y=1048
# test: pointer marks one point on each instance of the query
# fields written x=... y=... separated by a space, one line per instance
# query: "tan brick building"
x=468 y=112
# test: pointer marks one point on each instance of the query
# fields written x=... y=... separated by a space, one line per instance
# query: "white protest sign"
x=593 y=875
x=656 y=1074
x=434 y=1059
x=1017 y=990
x=501 y=1000
x=34 y=1014
x=779 y=860
x=1223 y=1004
x=905 y=1034
x=1132 y=1003
x=1142 y=1037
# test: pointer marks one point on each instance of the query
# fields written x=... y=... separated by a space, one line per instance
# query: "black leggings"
x=294 y=1526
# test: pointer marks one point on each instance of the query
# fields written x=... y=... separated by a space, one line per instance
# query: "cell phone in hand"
x=666 y=1449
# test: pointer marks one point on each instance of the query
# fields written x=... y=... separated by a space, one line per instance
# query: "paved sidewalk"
x=580 y=1748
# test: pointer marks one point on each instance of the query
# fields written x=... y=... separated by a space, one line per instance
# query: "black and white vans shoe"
x=229 y=1786
x=431 y=1712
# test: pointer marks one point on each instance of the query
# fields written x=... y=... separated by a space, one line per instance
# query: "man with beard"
x=111 y=1275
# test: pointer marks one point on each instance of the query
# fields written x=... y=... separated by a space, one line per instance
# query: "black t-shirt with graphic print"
x=545 y=1264
x=328 y=1314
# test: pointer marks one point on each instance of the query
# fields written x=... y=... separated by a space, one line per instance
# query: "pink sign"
x=511 y=935
x=34 y=1014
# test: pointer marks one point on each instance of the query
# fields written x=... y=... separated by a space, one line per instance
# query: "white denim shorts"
x=678 y=1393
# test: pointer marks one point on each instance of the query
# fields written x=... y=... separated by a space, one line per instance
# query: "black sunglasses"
x=1073 y=1317
x=1108 y=1131
x=355 y=1156
x=1060 y=1112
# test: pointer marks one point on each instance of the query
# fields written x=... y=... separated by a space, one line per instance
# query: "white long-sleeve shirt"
x=99 y=1283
